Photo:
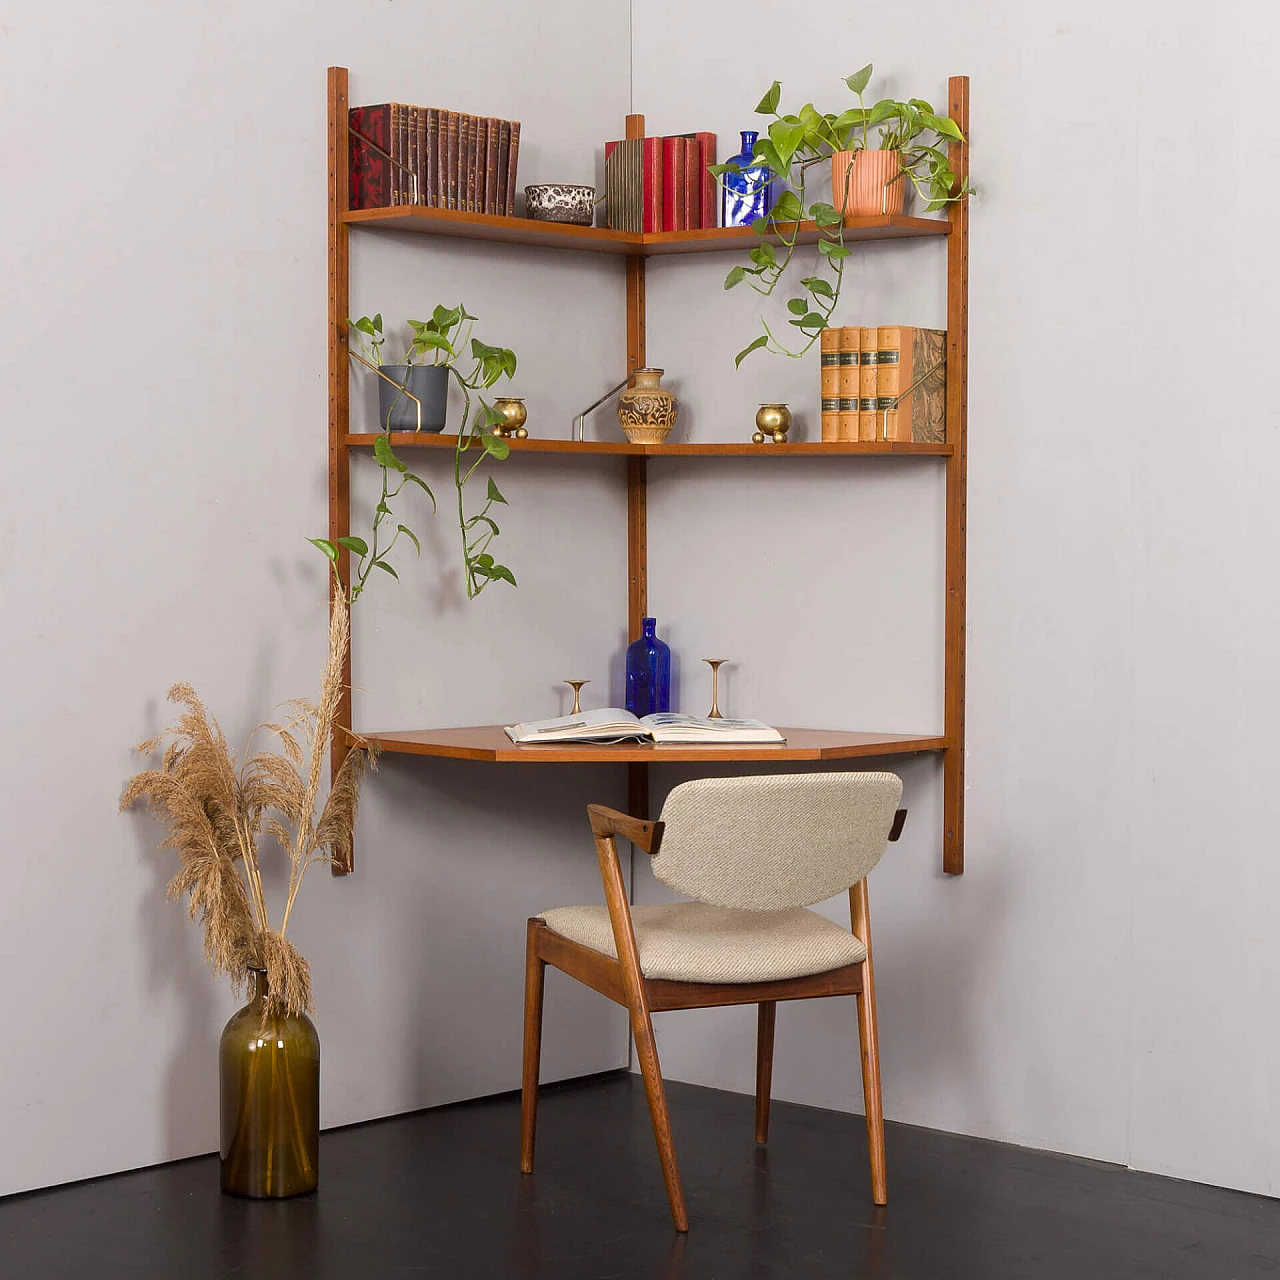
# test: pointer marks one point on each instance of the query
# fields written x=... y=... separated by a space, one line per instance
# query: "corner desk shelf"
x=488 y=743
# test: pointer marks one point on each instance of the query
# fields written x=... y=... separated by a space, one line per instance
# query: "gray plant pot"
x=429 y=382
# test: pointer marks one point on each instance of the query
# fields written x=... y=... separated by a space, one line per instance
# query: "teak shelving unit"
x=489 y=743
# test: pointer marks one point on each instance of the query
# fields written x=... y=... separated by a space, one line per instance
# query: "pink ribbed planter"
x=868 y=174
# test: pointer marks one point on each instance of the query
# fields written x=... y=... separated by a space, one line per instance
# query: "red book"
x=369 y=172
x=708 y=210
x=653 y=185
x=693 y=174
x=672 y=172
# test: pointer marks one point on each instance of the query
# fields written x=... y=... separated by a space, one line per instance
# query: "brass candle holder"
x=715 y=664
x=773 y=421
x=514 y=416
x=576 y=686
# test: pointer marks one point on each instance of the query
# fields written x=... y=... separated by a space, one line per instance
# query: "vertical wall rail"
x=339 y=382
x=957 y=478
x=637 y=494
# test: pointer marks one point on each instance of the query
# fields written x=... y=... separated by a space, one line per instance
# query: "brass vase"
x=773 y=421
x=514 y=416
x=269 y=1072
x=647 y=411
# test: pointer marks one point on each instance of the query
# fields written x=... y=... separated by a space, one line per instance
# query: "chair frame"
x=623 y=982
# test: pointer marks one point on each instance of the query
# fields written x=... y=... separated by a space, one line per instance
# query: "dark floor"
x=438 y=1194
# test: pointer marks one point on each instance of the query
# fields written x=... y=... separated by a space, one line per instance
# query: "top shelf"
x=564 y=235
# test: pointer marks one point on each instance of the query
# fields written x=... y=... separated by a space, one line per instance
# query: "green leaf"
x=502 y=573
x=825 y=215
x=719 y=170
x=947 y=127
x=785 y=138
x=413 y=537
x=735 y=276
x=788 y=208
x=769 y=103
x=482 y=519
x=798 y=306
x=494 y=495
x=767 y=154
x=832 y=249
x=377 y=322
x=383 y=455
x=817 y=285
x=326 y=546
x=423 y=485
x=859 y=80
x=811 y=321
x=352 y=543
x=386 y=568
x=496 y=446
x=763 y=255
x=428 y=340
x=761 y=341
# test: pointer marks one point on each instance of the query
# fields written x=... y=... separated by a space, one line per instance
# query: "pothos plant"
x=447 y=339
x=794 y=144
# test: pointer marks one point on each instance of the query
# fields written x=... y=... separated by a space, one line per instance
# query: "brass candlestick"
x=576 y=686
x=715 y=664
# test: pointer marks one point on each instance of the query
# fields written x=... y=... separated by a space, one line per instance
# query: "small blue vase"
x=748 y=195
x=648 y=672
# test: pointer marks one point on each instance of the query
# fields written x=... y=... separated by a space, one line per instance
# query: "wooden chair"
x=753 y=853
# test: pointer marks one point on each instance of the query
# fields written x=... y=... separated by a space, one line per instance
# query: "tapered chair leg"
x=534 y=973
x=764 y=1066
x=871 y=1097
x=651 y=1073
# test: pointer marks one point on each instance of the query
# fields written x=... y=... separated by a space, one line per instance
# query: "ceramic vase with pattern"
x=869 y=182
x=647 y=411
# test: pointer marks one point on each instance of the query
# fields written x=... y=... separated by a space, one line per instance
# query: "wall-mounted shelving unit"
x=489 y=743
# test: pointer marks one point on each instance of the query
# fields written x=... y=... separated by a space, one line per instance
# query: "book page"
x=606 y=724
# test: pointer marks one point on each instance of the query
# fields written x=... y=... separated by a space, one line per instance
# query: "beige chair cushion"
x=692 y=942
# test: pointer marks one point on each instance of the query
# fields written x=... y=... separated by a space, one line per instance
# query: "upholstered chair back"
x=766 y=844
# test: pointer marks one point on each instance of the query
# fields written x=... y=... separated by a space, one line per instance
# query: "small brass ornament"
x=514 y=416
x=773 y=421
x=576 y=686
x=715 y=664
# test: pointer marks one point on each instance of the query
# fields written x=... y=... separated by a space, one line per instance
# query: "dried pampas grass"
x=217 y=812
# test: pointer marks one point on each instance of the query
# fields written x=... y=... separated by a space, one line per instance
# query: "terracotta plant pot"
x=866 y=179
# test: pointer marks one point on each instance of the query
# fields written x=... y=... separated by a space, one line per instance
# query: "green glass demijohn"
x=269 y=1072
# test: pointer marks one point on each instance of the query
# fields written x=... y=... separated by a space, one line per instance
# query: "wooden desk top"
x=490 y=743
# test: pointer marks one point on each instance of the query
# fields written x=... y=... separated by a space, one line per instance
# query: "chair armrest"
x=607 y=822
x=899 y=821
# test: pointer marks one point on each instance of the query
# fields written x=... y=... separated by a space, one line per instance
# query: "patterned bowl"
x=560 y=202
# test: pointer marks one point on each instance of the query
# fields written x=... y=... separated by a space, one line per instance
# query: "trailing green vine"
x=795 y=143
x=446 y=336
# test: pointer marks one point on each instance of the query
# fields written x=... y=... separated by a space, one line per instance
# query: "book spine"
x=492 y=192
x=368 y=174
x=481 y=162
x=693 y=174
x=847 y=349
x=710 y=203
x=504 y=148
x=867 y=424
x=670 y=158
x=653 y=176
x=449 y=158
x=462 y=162
x=829 y=374
x=474 y=195
x=433 y=157
x=511 y=168
x=889 y=383
x=415 y=155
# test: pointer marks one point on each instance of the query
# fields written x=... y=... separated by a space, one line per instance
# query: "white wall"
x=164 y=401
x=1098 y=981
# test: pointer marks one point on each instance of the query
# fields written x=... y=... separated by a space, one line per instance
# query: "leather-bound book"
x=868 y=421
x=492 y=192
x=432 y=148
x=708 y=198
x=911 y=383
x=694 y=172
x=653 y=185
x=514 y=156
x=449 y=157
x=672 y=173
x=473 y=163
x=504 y=156
x=829 y=354
x=848 y=346
x=369 y=149
x=482 y=171
x=415 y=156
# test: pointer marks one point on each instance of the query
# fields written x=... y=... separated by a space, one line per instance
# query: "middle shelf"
x=710 y=449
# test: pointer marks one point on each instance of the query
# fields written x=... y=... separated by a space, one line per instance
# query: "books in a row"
x=403 y=155
x=661 y=184
x=613 y=724
x=886 y=382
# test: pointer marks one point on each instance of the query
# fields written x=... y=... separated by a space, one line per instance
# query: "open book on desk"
x=613 y=724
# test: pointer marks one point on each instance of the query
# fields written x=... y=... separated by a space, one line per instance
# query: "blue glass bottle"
x=648 y=672
x=748 y=195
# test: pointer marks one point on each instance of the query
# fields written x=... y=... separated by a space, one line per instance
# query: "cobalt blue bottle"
x=648 y=672
x=748 y=195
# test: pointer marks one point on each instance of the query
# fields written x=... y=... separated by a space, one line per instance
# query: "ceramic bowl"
x=560 y=202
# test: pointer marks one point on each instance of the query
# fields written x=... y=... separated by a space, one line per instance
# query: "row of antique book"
x=402 y=155
x=885 y=382
x=661 y=184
